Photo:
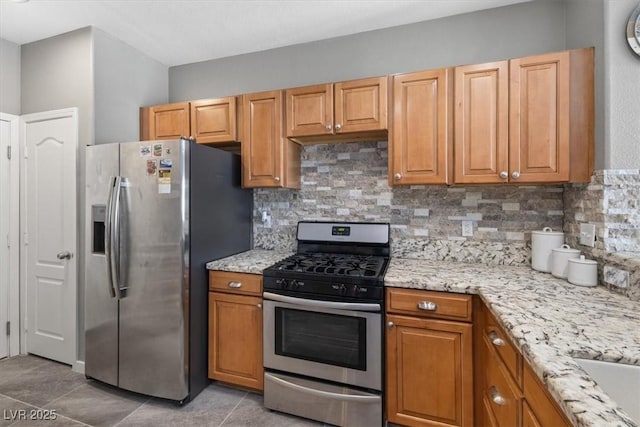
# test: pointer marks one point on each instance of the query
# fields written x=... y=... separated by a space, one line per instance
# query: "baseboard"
x=78 y=367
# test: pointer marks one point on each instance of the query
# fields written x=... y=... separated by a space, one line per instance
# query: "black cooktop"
x=333 y=265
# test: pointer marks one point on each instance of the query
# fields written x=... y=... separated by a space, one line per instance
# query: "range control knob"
x=282 y=284
x=293 y=285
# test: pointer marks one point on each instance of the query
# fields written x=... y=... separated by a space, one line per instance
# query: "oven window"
x=321 y=337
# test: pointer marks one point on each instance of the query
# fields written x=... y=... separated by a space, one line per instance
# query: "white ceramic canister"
x=542 y=242
x=560 y=260
x=583 y=272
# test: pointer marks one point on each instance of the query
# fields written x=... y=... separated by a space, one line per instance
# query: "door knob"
x=338 y=126
x=504 y=175
x=328 y=127
x=397 y=176
x=64 y=255
x=515 y=175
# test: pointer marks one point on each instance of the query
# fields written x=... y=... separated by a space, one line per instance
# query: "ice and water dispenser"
x=98 y=215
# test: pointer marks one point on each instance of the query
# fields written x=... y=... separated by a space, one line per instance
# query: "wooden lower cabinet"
x=235 y=339
x=429 y=372
x=507 y=392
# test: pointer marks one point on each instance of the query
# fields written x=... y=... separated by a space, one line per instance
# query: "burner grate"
x=333 y=264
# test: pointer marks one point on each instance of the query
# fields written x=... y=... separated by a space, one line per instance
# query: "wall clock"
x=633 y=30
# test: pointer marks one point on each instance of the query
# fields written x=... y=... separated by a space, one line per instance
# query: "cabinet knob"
x=235 y=284
x=390 y=325
x=276 y=178
x=338 y=126
x=496 y=397
x=495 y=339
x=397 y=176
x=259 y=306
x=504 y=175
x=515 y=175
x=427 y=305
x=328 y=127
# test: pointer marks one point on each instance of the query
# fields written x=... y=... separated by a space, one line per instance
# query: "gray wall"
x=9 y=77
x=585 y=27
x=622 y=89
x=501 y=33
x=58 y=73
x=124 y=80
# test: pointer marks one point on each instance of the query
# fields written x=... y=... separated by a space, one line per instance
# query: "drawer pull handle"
x=235 y=284
x=427 y=305
x=496 y=397
x=495 y=339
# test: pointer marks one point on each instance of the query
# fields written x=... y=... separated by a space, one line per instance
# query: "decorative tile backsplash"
x=348 y=182
x=611 y=201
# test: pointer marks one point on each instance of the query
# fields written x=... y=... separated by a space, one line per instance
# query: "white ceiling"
x=177 y=32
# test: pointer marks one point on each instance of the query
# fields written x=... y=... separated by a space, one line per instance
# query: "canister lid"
x=582 y=260
x=566 y=249
x=547 y=231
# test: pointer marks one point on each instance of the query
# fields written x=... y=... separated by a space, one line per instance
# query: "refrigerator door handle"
x=108 y=236
x=115 y=238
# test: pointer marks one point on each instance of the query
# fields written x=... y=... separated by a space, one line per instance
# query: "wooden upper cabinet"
x=214 y=121
x=361 y=105
x=527 y=120
x=420 y=141
x=539 y=118
x=268 y=159
x=350 y=110
x=168 y=121
x=309 y=110
x=481 y=123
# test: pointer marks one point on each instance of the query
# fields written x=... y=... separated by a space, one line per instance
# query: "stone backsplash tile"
x=611 y=201
x=348 y=182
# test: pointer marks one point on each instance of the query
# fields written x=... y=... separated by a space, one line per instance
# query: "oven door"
x=333 y=341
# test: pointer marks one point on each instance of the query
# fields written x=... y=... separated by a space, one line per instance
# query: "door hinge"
x=8 y=328
x=9 y=152
x=8 y=241
x=26 y=238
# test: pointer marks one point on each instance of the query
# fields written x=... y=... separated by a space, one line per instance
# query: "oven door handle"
x=321 y=393
x=323 y=304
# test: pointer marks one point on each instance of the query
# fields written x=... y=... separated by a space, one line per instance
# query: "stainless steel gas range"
x=323 y=324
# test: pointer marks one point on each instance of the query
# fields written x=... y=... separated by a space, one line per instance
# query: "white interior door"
x=9 y=226
x=49 y=143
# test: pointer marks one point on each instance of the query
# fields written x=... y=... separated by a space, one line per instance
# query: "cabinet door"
x=420 y=145
x=235 y=339
x=309 y=110
x=214 y=120
x=539 y=118
x=429 y=372
x=481 y=123
x=268 y=159
x=169 y=121
x=361 y=105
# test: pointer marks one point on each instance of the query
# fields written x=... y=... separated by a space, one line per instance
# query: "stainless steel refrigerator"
x=157 y=211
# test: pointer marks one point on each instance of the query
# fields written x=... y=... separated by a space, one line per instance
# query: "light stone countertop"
x=551 y=322
x=253 y=261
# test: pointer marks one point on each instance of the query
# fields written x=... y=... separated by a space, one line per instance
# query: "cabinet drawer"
x=239 y=283
x=500 y=393
x=429 y=304
x=497 y=339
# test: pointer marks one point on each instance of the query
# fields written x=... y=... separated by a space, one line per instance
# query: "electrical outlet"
x=266 y=219
x=467 y=228
x=588 y=234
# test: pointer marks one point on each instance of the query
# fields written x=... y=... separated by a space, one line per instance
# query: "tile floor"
x=30 y=382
